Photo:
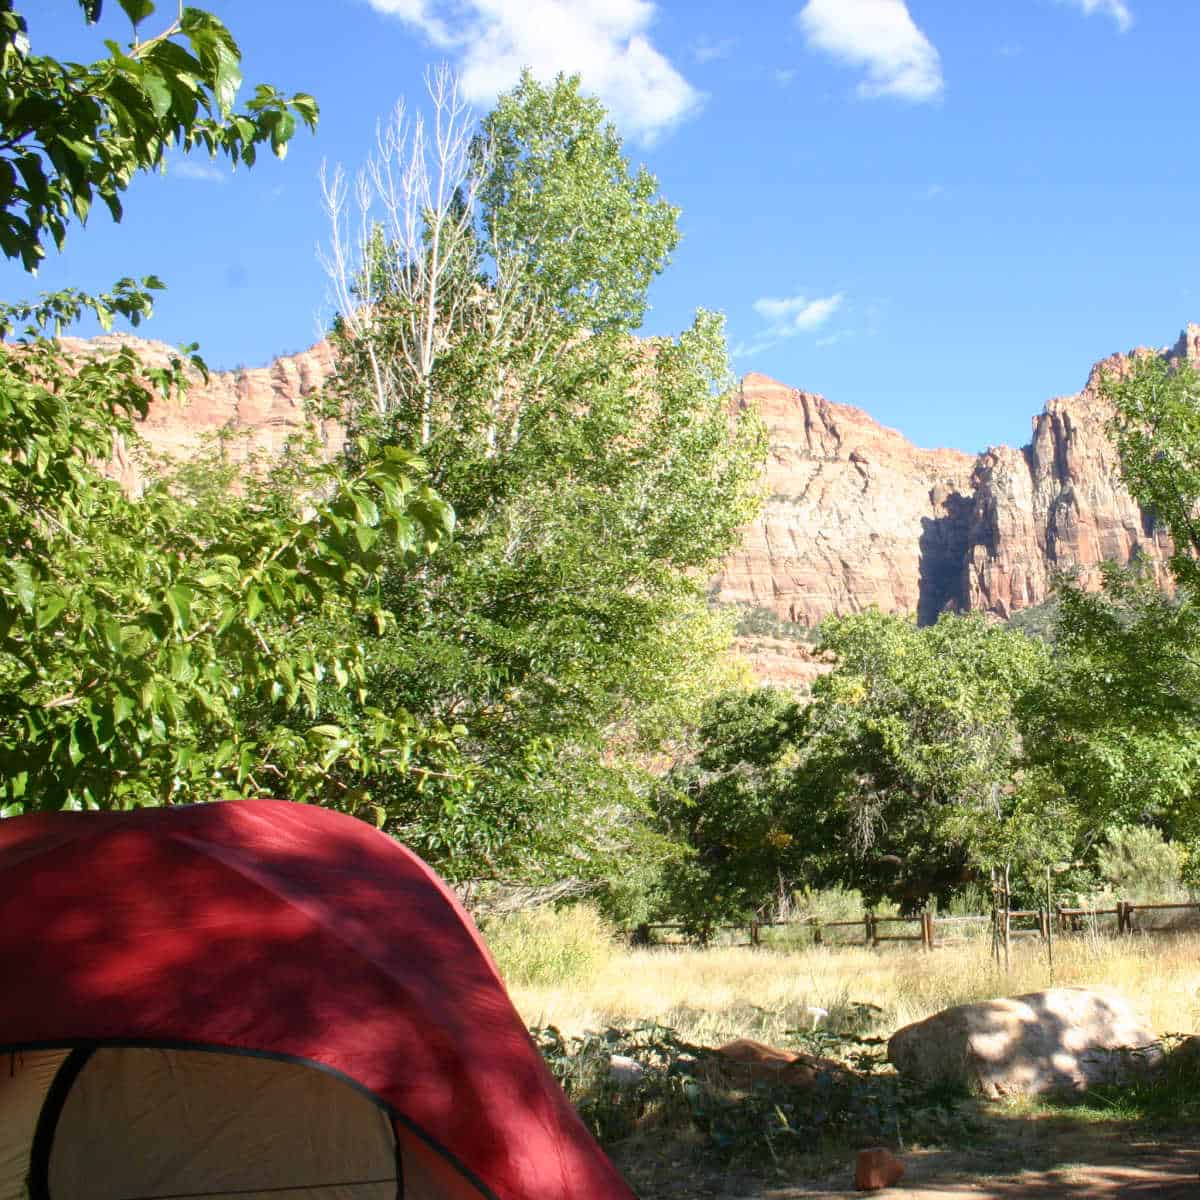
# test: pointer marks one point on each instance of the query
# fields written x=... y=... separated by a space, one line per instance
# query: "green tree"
x=912 y=757
x=73 y=132
x=727 y=807
x=1116 y=721
x=1119 y=721
x=1156 y=427
x=596 y=478
x=159 y=649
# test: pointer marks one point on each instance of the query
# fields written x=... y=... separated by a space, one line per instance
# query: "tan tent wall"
x=142 y=1124
x=25 y=1079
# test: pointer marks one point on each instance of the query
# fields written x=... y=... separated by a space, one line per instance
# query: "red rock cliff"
x=855 y=516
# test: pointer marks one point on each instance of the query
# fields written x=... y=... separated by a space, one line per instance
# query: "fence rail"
x=1057 y=922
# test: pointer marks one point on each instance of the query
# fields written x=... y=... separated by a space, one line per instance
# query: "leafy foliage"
x=904 y=777
x=166 y=647
x=596 y=480
x=729 y=808
x=72 y=133
x=1116 y=720
x=1157 y=431
x=914 y=753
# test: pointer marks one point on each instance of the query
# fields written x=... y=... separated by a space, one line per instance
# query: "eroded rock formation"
x=259 y=408
x=855 y=516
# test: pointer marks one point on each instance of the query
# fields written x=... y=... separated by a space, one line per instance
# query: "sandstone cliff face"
x=1057 y=505
x=261 y=407
x=855 y=516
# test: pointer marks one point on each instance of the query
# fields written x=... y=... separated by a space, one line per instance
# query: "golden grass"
x=709 y=996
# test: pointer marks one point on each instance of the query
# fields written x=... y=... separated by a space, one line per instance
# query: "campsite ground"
x=1112 y=1146
x=1030 y=1160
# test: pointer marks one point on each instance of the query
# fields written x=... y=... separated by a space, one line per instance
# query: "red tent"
x=261 y=998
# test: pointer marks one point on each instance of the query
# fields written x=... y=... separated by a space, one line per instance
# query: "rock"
x=1064 y=1039
x=749 y=1061
x=876 y=1169
x=625 y=1072
x=856 y=515
x=261 y=406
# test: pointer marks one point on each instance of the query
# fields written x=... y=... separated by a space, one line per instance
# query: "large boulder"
x=1064 y=1039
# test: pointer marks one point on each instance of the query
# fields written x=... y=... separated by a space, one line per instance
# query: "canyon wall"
x=855 y=514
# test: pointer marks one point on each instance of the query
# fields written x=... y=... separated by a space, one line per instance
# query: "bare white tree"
x=399 y=233
x=396 y=229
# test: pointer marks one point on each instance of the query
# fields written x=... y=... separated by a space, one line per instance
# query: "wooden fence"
x=932 y=931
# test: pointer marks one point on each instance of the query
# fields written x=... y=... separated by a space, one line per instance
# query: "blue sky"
x=941 y=211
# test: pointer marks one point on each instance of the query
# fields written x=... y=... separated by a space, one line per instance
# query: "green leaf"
x=122 y=708
x=179 y=601
x=137 y=10
x=48 y=610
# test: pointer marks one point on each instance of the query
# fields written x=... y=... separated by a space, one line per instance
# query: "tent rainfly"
x=263 y=1000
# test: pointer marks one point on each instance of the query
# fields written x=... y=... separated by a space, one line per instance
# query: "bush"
x=550 y=946
x=765 y=622
x=1136 y=863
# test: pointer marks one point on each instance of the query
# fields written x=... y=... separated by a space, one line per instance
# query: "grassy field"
x=710 y=996
x=715 y=1137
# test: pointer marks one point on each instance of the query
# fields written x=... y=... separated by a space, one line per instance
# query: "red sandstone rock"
x=756 y=1062
x=855 y=516
x=261 y=406
x=876 y=1169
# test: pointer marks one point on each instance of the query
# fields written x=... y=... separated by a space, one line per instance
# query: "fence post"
x=1044 y=924
x=1124 y=916
x=927 y=929
x=1062 y=919
x=818 y=936
x=754 y=933
x=870 y=932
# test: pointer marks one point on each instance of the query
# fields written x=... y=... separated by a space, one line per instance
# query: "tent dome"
x=261 y=998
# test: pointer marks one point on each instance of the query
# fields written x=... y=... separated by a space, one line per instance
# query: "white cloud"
x=881 y=36
x=705 y=50
x=796 y=314
x=605 y=42
x=1117 y=9
x=786 y=318
x=784 y=76
x=199 y=171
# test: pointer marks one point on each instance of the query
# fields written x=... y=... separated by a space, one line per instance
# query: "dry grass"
x=711 y=996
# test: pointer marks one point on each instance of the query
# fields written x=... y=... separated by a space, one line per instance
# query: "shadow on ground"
x=1019 y=1157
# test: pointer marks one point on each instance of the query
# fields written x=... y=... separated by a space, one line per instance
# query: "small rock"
x=625 y=1072
x=877 y=1169
x=756 y=1062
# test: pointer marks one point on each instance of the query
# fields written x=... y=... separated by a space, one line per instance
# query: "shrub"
x=550 y=946
x=1138 y=864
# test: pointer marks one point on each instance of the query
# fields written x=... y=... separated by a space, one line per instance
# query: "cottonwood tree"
x=1119 y=721
x=156 y=649
x=912 y=758
x=488 y=318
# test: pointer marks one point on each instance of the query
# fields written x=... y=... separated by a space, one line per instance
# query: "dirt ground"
x=1032 y=1158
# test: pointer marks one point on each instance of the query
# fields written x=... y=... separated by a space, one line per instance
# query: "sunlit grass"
x=712 y=995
